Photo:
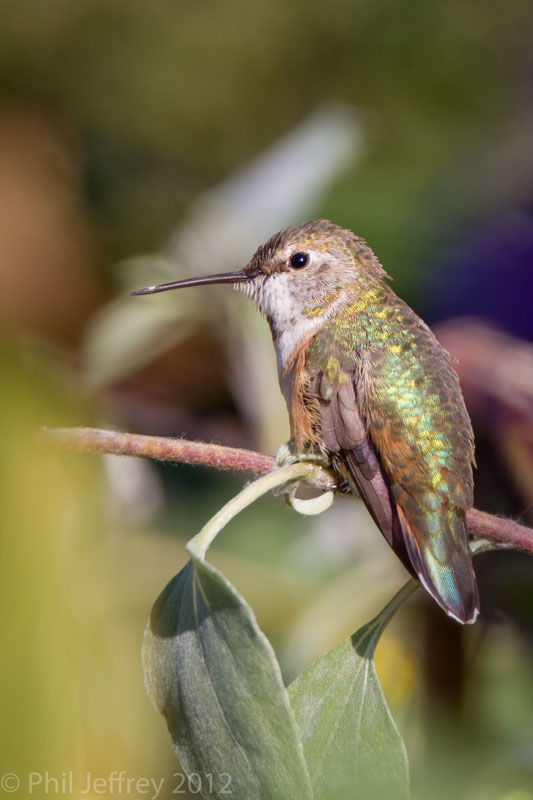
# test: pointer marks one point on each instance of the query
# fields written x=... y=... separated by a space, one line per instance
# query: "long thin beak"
x=224 y=277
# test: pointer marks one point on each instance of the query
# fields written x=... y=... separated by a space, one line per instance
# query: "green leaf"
x=351 y=744
x=213 y=675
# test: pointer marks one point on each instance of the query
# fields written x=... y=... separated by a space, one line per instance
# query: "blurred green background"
x=129 y=129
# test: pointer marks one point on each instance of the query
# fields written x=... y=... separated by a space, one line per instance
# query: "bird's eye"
x=299 y=260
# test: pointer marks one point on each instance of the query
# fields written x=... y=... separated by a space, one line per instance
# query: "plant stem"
x=280 y=477
x=94 y=440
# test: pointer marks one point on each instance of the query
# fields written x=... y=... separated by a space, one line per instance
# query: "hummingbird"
x=371 y=392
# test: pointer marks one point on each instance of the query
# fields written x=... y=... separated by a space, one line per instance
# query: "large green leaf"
x=213 y=675
x=352 y=746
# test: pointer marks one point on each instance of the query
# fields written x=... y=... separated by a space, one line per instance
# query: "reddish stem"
x=94 y=440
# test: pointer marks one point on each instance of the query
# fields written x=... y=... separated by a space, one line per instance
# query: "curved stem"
x=199 y=544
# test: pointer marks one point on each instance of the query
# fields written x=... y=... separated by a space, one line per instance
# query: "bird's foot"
x=287 y=454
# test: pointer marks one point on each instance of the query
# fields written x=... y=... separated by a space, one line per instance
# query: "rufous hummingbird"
x=370 y=390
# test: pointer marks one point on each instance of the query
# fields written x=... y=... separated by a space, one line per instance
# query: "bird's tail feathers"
x=448 y=576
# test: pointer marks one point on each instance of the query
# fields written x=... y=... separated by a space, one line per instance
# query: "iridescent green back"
x=409 y=399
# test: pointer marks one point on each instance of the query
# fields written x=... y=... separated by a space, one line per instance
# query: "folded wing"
x=431 y=543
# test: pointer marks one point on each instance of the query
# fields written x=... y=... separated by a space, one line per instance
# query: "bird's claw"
x=287 y=454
